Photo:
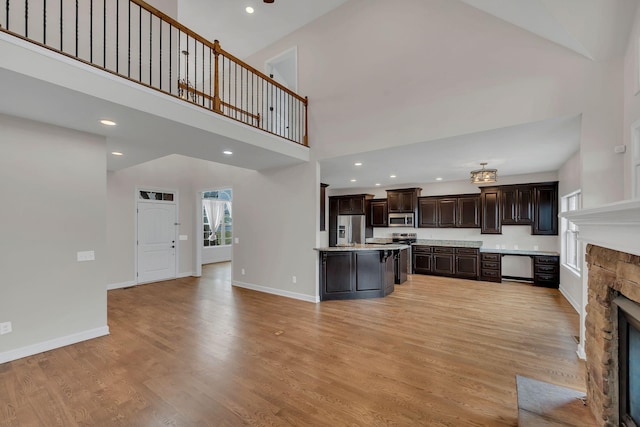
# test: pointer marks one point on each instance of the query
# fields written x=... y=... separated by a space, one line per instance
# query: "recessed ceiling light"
x=357 y=164
x=227 y=152
x=392 y=176
x=117 y=153
x=108 y=122
x=249 y=9
x=438 y=179
x=353 y=180
x=378 y=185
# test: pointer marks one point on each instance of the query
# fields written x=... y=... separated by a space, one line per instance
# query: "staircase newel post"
x=306 y=121
x=216 y=77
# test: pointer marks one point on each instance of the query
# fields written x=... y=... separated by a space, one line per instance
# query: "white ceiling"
x=243 y=34
x=524 y=149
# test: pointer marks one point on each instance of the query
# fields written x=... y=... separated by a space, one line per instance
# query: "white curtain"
x=215 y=213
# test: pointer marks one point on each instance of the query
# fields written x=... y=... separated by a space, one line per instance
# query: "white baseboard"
x=120 y=285
x=581 y=353
x=41 y=347
x=183 y=275
x=569 y=298
x=280 y=292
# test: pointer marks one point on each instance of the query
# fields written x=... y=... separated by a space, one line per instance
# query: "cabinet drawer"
x=417 y=249
x=443 y=250
x=467 y=251
x=545 y=278
x=546 y=268
x=490 y=257
x=546 y=260
x=490 y=265
x=492 y=274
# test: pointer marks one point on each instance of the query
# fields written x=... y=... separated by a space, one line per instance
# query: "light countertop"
x=365 y=247
x=523 y=252
x=450 y=243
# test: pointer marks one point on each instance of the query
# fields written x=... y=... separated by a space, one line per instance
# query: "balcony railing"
x=133 y=40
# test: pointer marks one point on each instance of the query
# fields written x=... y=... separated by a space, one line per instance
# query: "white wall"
x=570 y=181
x=215 y=254
x=631 y=98
x=274 y=217
x=52 y=182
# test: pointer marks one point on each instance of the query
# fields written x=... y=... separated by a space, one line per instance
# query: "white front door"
x=156 y=241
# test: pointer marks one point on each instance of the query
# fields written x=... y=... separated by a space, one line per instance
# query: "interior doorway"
x=156 y=223
x=215 y=227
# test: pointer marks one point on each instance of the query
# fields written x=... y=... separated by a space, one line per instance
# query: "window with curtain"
x=571 y=249
x=217 y=217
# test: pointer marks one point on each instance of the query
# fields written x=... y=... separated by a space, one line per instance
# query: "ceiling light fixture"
x=438 y=179
x=249 y=9
x=117 y=153
x=357 y=164
x=227 y=152
x=108 y=122
x=484 y=176
x=353 y=180
x=392 y=176
x=378 y=185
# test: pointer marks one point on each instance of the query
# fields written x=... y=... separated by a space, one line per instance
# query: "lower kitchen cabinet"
x=546 y=271
x=401 y=268
x=356 y=274
x=446 y=261
x=491 y=267
x=422 y=259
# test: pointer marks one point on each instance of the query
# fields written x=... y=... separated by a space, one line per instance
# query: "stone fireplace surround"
x=611 y=273
x=612 y=237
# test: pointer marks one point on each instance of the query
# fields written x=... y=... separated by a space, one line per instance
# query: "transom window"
x=571 y=249
x=217 y=217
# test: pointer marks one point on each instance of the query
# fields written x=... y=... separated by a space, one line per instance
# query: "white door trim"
x=135 y=225
x=199 y=231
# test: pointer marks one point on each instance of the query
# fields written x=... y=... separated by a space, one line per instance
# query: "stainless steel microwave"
x=401 y=220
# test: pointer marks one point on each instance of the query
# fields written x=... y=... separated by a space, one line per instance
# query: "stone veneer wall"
x=611 y=273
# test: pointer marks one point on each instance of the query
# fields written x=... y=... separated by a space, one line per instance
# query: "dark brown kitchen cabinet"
x=403 y=201
x=427 y=212
x=378 y=215
x=466 y=263
x=446 y=261
x=323 y=206
x=468 y=211
x=421 y=259
x=443 y=261
x=491 y=267
x=461 y=211
x=490 y=218
x=546 y=271
x=517 y=204
x=353 y=205
x=447 y=209
x=545 y=213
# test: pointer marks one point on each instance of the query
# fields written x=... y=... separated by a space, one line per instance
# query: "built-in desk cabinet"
x=517 y=204
x=491 y=267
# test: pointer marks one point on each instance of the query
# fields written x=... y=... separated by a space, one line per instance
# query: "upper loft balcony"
x=170 y=90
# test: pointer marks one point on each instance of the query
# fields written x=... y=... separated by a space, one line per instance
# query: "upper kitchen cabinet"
x=427 y=212
x=378 y=215
x=403 y=201
x=461 y=211
x=517 y=204
x=352 y=205
x=468 y=211
x=545 y=213
x=490 y=219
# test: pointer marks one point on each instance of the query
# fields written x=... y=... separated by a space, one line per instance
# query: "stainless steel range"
x=406 y=239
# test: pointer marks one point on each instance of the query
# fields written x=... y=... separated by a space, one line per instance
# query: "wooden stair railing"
x=134 y=40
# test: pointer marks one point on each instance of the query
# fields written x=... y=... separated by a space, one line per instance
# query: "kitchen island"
x=359 y=271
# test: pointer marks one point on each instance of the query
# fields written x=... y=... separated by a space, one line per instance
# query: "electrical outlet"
x=5 y=328
x=293 y=279
x=237 y=240
x=86 y=256
x=242 y=271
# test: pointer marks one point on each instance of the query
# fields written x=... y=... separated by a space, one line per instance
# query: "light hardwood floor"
x=436 y=352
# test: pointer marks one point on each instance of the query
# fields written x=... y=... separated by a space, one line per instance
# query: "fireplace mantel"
x=615 y=226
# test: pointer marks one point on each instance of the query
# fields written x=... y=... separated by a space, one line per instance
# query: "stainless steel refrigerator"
x=351 y=230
